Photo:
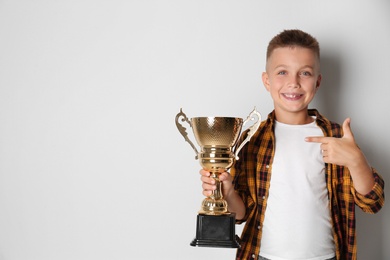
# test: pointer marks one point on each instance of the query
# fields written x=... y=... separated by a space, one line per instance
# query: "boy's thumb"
x=347 y=128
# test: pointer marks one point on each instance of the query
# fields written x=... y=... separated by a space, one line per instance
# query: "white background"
x=91 y=163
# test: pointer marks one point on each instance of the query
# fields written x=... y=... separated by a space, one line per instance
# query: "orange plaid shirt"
x=252 y=173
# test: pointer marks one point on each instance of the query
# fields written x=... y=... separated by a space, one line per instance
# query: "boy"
x=298 y=179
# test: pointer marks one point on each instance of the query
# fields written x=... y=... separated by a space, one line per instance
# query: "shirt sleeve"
x=373 y=201
x=241 y=187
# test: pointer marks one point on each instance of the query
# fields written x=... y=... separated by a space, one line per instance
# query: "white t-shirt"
x=297 y=223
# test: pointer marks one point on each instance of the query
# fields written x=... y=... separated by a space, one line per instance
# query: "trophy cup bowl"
x=217 y=137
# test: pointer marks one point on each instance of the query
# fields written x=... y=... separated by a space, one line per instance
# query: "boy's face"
x=292 y=77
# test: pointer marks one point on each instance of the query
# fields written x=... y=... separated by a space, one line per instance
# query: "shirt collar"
x=321 y=121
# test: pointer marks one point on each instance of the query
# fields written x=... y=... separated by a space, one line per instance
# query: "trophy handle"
x=252 y=130
x=182 y=130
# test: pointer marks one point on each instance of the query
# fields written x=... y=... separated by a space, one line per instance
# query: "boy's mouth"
x=290 y=96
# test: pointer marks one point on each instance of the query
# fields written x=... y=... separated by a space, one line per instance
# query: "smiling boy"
x=299 y=178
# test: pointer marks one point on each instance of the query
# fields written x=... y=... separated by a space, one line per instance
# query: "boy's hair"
x=291 y=38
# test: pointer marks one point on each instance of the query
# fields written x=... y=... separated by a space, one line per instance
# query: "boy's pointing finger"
x=316 y=139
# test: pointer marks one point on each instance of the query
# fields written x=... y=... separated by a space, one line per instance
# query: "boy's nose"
x=294 y=82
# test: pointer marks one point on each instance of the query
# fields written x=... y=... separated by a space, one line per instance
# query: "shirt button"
x=267 y=166
x=253 y=256
x=263 y=197
x=258 y=227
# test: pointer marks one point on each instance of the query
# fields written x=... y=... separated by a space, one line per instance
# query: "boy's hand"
x=341 y=151
x=344 y=151
x=208 y=183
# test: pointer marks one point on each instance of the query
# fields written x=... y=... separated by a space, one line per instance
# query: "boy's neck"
x=294 y=118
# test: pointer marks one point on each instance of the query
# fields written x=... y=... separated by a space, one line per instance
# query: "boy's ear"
x=265 y=79
x=318 y=83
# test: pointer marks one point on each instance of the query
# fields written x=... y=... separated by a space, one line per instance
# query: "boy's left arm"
x=368 y=186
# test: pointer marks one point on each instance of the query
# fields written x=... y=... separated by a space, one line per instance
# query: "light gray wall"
x=91 y=163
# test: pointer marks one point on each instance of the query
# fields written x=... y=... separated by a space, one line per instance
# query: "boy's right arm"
x=235 y=203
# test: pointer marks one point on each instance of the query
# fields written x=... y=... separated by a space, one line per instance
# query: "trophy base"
x=216 y=231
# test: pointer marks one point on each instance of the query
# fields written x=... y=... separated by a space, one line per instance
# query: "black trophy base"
x=216 y=231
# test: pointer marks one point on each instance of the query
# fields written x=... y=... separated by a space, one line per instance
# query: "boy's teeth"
x=291 y=95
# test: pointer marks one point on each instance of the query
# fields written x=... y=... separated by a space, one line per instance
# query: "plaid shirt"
x=252 y=173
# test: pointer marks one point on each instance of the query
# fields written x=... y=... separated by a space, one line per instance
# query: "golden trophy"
x=217 y=136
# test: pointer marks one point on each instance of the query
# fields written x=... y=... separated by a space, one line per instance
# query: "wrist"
x=228 y=193
x=359 y=163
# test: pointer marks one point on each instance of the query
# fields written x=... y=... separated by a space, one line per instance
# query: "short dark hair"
x=291 y=38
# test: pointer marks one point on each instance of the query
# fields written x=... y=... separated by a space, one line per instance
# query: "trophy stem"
x=215 y=204
x=217 y=193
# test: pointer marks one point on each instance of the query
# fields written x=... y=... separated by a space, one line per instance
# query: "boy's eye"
x=282 y=72
x=306 y=73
